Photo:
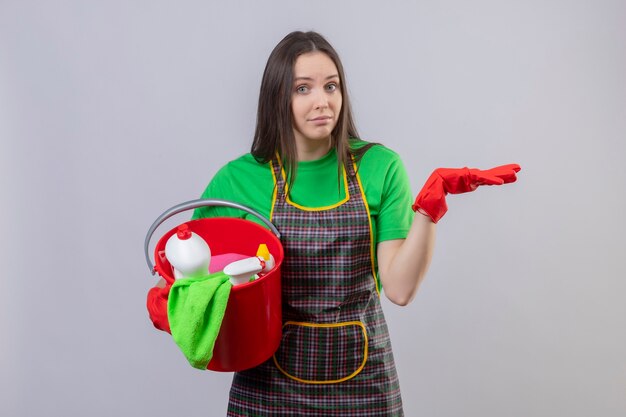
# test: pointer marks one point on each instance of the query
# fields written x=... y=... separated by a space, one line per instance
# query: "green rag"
x=195 y=309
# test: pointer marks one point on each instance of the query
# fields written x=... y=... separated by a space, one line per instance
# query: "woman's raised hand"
x=431 y=199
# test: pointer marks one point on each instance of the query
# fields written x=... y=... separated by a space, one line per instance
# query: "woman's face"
x=315 y=102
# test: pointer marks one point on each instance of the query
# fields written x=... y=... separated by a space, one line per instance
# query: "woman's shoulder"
x=245 y=161
x=240 y=175
x=242 y=180
x=376 y=153
x=243 y=166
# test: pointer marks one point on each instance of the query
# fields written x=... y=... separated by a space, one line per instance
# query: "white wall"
x=111 y=112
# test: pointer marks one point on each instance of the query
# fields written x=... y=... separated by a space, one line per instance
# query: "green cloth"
x=383 y=176
x=195 y=310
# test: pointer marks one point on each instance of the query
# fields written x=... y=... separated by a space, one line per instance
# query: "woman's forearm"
x=403 y=264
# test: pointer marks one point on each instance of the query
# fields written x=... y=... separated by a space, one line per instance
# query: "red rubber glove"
x=431 y=200
x=157 y=307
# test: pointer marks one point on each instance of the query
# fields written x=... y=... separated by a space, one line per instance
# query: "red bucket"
x=252 y=327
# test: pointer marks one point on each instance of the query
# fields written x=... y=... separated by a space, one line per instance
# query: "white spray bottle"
x=246 y=270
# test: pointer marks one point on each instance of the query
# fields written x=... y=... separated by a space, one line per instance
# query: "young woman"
x=345 y=213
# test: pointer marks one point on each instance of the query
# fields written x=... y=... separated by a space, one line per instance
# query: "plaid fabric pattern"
x=312 y=362
x=328 y=285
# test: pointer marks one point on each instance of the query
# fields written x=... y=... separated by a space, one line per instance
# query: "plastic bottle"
x=264 y=253
x=188 y=253
x=244 y=270
x=248 y=269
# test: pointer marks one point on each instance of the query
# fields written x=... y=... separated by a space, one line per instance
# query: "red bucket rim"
x=165 y=271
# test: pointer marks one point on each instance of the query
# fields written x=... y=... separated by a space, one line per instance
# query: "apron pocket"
x=322 y=353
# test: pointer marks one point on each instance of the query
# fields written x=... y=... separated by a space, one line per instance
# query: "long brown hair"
x=274 y=124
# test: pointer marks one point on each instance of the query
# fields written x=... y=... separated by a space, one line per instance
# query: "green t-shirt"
x=383 y=177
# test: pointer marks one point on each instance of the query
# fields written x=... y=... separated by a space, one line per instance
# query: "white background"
x=111 y=112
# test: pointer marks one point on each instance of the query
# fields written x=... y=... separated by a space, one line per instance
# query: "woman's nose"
x=321 y=101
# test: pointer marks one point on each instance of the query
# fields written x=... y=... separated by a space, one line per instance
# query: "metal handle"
x=201 y=202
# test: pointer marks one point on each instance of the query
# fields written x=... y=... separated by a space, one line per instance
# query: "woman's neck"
x=312 y=150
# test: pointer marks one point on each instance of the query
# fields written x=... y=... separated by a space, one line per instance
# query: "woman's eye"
x=331 y=87
x=302 y=89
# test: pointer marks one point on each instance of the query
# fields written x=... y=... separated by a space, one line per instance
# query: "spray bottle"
x=248 y=269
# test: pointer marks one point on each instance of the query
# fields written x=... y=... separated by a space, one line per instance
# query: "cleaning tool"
x=264 y=252
x=251 y=328
x=195 y=309
x=157 y=296
x=188 y=253
x=219 y=262
x=246 y=270
x=431 y=199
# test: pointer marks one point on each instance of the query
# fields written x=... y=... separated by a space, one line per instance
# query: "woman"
x=343 y=207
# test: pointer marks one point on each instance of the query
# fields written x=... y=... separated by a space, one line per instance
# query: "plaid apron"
x=335 y=355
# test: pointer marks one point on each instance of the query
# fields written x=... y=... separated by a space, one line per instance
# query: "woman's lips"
x=322 y=120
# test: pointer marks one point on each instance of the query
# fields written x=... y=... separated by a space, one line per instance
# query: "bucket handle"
x=188 y=205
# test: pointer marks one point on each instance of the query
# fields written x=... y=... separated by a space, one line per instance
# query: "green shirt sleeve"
x=395 y=215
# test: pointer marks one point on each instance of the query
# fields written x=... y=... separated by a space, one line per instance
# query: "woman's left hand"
x=431 y=199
